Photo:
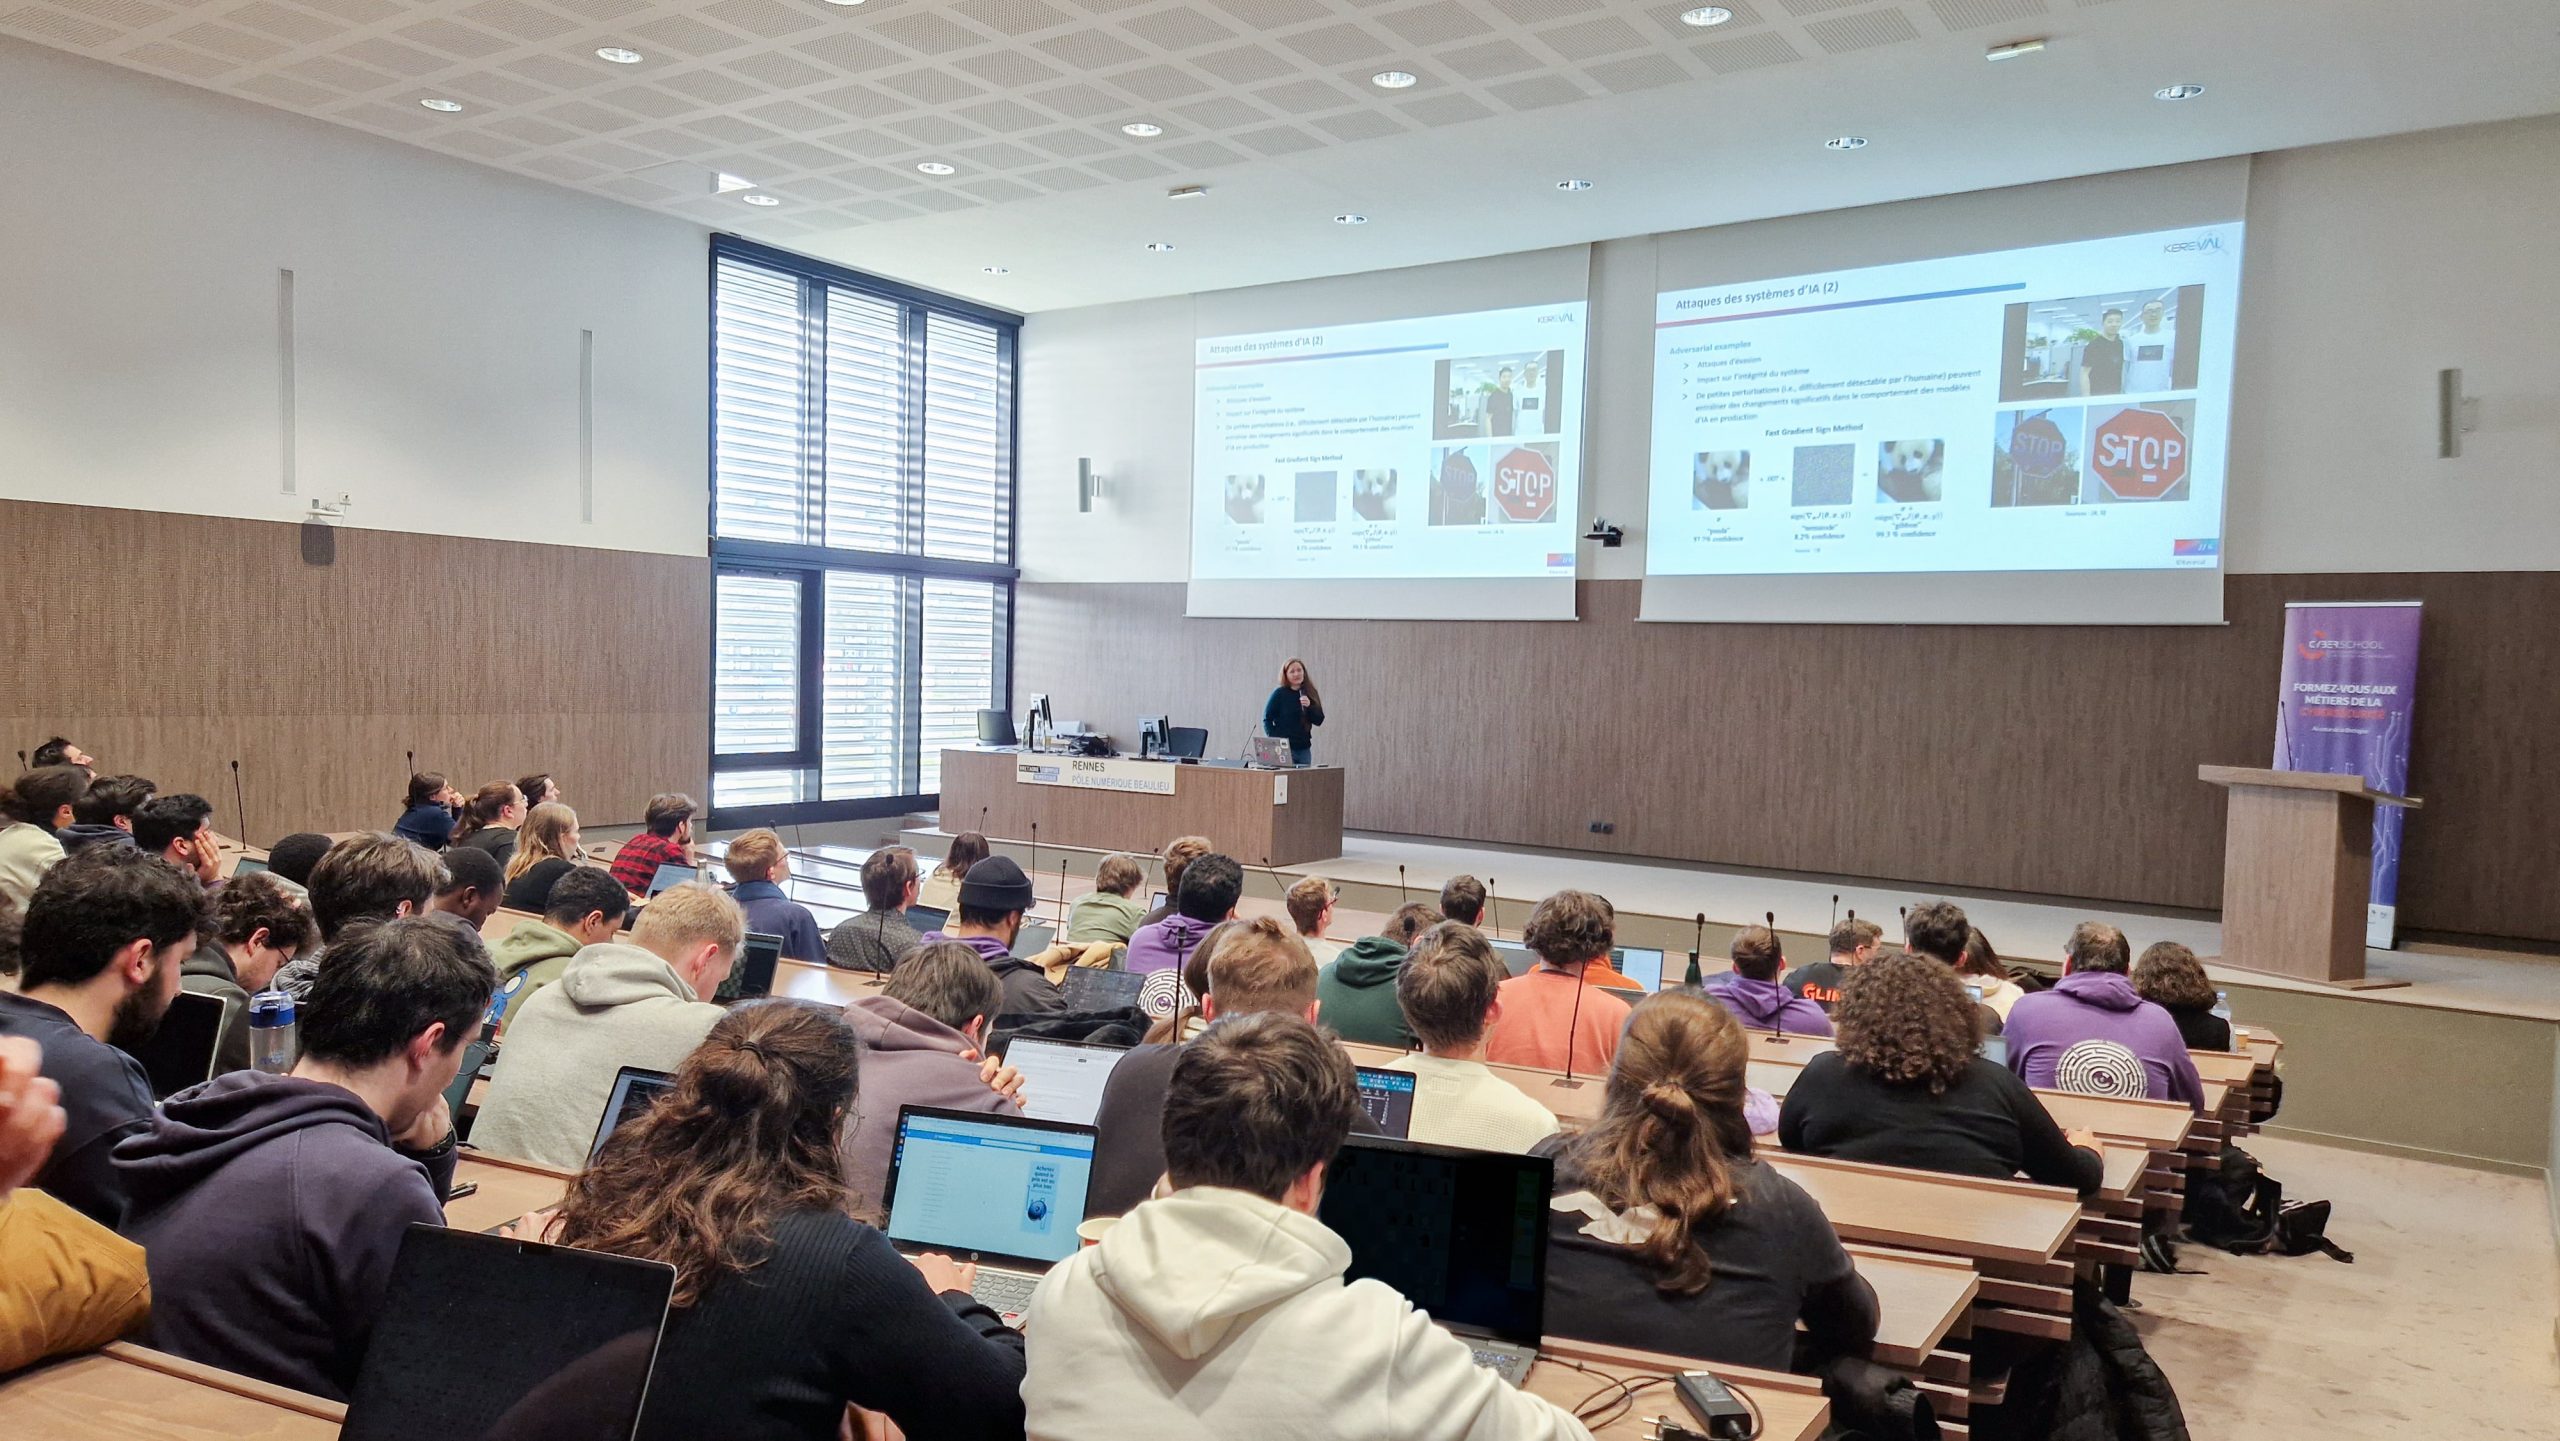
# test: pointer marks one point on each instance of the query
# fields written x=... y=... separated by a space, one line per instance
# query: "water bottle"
x=272 y=1040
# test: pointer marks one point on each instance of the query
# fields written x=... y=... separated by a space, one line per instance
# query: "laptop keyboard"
x=1511 y=1366
x=1007 y=1293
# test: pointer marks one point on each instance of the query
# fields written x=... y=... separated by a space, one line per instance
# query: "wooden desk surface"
x=508 y=1188
x=130 y=1393
x=2122 y=1174
x=2161 y=1125
x=2231 y=1068
x=1792 y=1408
x=1919 y=1299
x=1929 y=1211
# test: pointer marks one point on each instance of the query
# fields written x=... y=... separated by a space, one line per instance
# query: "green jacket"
x=538 y=949
x=1102 y=916
x=1357 y=994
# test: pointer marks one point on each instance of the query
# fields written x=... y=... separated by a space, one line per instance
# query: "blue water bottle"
x=272 y=1041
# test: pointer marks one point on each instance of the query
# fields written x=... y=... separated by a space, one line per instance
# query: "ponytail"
x=483 y=809
x=1670 y=1135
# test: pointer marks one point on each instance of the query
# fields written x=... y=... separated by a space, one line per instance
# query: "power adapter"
x=1715 y=1406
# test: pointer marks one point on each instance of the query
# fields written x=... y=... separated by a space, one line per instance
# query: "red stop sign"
x=1524 y=485
x=2140 y=454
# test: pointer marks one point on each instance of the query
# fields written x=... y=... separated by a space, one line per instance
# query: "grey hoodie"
x=616 y=1005
x=907 y=1059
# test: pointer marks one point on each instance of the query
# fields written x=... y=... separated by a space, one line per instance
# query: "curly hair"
x=2170 y=975
x=1906 y=1021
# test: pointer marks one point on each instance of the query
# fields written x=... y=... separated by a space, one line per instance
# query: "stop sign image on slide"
x=2139 y=454
x=1524 y=485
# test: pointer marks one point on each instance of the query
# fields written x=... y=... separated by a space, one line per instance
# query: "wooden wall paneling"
x=169 y=645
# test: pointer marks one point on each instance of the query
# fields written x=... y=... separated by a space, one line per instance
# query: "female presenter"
x=1293 y=709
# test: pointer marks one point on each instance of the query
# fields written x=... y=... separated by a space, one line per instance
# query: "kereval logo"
x=2203 y=242
x=2321 y=646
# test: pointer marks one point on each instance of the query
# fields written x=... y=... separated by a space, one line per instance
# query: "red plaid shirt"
x=636 y=864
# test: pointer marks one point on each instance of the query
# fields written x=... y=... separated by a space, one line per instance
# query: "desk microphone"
x=1697 y=948
x=1493 y=901
x=413 y=761
x=1403 y=897
x=1035 y=859
x=1062 y=893
x=1778 y=1019
x=239 y=807
x=1835 y=909
x=1573 y=1023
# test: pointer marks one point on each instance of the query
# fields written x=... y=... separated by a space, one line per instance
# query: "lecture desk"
x=1791 y=1408
x=128 y=1391
x=509 y=1188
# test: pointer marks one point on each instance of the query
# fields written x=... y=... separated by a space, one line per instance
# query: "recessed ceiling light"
x=1351 y=217
x=1142 y=130
x=1846 y=142
x=761 y=199
x=991 y=269
x=1573 y=185
x=1187 y=192
x=1159 y=246
x=936 y=167
x=442 y=106
x=847 y=3
x=1705 y=15
x=619 y=56
x=2177 y=92
x=1394 y=80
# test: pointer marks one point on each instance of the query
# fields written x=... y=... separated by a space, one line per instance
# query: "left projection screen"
x=1426 y=468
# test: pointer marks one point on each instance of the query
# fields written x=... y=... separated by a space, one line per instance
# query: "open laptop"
x=1158 y=901
x=1268 y=753
x=927 y=919
x=752 y=977
x=672 y=875
x=1462 y=1234
x=180 y=1053
x=1062 y=1080
x=1005 y=1192
x=1516 y=958
x=635 y=1090
x=248 y=865
x=1640 y=964
x=1387 y=1096
x=484 y=1336
x=1091 y=988
x=1032 y=940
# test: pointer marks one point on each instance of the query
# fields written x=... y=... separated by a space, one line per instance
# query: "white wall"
x=438 y=306
x=2371 y=264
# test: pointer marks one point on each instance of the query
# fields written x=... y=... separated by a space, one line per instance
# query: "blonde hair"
x=688 y=915
x=544 y=836
x=753 y=856
x=1260 y=966
x=1307 y=901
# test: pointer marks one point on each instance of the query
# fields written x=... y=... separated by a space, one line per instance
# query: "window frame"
x=811 y=563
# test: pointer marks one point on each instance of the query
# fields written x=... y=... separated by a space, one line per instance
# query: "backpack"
x=2241 y=1209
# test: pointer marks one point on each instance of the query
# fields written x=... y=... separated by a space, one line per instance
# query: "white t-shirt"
x=1463 y=1103
x=2149 y=356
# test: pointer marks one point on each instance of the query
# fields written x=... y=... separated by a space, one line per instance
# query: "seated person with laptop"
x=920 y=1042
x=1221 y=1308
x=759 y=865
x=881 y=936
x=1450 y=988
x=1358 y=990
x=1753 y=992
x=994 y=896
x=665 y=840
x=259 y=923
x=786 y=1309
x=585 y=909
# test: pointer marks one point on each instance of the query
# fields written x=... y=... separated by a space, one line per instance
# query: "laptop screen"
x=482 y=1337
x=1516 y=958
x=1090 y=988
x=248 y=865
x=1158 y=901
x=1462 y=1234
x=752 y=976
x=672 y=875
x=634 y=1091
x=1062 y=1080
x=998 y=1188
x=1640 y=964
x=1388 y=1098
x=1032 y=940
x=927 y=919
x=180 y=1053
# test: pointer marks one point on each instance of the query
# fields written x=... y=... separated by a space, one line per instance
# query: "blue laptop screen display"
x=982 y=1186
x=1640 y=964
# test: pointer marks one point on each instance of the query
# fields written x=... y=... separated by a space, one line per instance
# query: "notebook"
x=1006 y=1192
x=1462 y=1234
x=671 y=875
x=1062 y=1080
x=1387 y=1095
x=634 y=1090
x=485 y=1336
x=180 y=1053
x=1090 y=988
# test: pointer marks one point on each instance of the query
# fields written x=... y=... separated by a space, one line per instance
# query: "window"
x=862 y=519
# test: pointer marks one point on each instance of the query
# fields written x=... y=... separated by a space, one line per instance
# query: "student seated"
x=1981 y=968
x=471 y=888
x=1665 y=1234
x=546 y=850
x=1310 y=904
x=1752 y=992
x=787 y=1310
x=1358 y=991
x=1449 y=988
x=1211 y=886
x=586 y=909
x=1110 y=911
x=759 y=865
x=103 y=949
x=2170 y=977
x=644 y=1002
x=2094 y=1032
x=1550 y=1014
x=881 y=935
x=539 y=789
x=373 y=877
x=1258 y=967
x=921 y=1041
x=1906 y=1087
x=941 y=890
x=665 y=840
x=272 y=1206
x=67 y=1284
x=37 y=807
x=104 y=813
x=992 y=902
x=489 y=820
x=426 y=816
x=1462 y=900
x=1220 y=1309
x=61 y=752
x=1176 y=858
x=179 y=829
x=259 y=923
x=1853 y=943
x=297 y=855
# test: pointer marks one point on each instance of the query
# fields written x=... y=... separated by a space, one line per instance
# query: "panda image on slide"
x=1908 y=471
x=1244 y=499
x=1373 y=494
x=1720 y=480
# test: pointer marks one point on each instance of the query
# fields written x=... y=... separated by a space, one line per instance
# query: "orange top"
x=1539 y=1006
x=1601 y=973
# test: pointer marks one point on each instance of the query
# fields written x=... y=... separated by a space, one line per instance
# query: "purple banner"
x=2350 y=683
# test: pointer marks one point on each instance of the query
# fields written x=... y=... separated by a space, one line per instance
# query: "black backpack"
x=2241 y=1209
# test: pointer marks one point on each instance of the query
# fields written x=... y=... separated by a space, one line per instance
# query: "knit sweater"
x=616 y=1005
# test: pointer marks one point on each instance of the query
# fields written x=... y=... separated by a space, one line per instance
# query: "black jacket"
x=2200 y=1028
x=1987 y=1124
x=106 y=1096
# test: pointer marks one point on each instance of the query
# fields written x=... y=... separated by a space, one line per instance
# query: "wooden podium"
x=2297 y=872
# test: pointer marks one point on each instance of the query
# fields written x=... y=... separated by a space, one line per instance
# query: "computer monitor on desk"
x=995 y=728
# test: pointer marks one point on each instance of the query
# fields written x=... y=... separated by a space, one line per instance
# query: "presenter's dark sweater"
x=1986 y=1124
x=832 y=1316
x=1282 y=716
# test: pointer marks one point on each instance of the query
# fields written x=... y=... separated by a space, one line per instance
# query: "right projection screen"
x=2032 y=434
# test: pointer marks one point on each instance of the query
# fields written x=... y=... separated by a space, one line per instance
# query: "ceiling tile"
x=478 y=144
x=934 y=201
x=530 y=130
x=812 y=187
x=1002 y=115
x=849 y=53
x=934 y=86
x=525 y=22
x=587 y=117
x=600 y=10
x=1270 y=14
x=1306 y=97
x=996 y=155
x=1077 y=101
x=1220 y=112
x=683 y=37
x=928 y=34
x=355 y=12
x=998 y=191
x=1178 y=30
x=1536 y=92
x=1060 y=179
x=711 y=87
x=1334 y=45
x=1278 y=140
x=455 y=39
x=286 y=90
x=1069 y=144
x=1244 y=64
x=1636 y=72
x=729 y=130
x=791 y=117
x=220 y=39
x=338 y=74
x=650 y=101
x=1489 y=61
x=555 y=73
x=932 y=130
x=563 y=166
x=1011 y=69
x=1967 y=14
x=1359 y=125
x=1748 y=52
x=1452 y=108
x=179 y=60
x=613 y=155
x=1802 y=8
x=299 y=26
x=1160 y=83
x=1591 y=39
x=493 y=88
x=1862 y=32
x=764 y=19
x=1539 y=12
x=859 y=102
x=1440 y=23
x=801 y=155
x=1203 y=155
x=777 y=70
x=1011 y=17
x=383 y=53
x=1129 y=167
x=1088 y=49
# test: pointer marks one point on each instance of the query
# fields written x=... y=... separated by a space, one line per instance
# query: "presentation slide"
x=1441 y=448
x=2048 y=409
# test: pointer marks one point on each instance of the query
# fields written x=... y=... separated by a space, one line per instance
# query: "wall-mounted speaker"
x=319 y=543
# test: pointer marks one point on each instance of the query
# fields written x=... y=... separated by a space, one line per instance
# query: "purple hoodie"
x=1165 y=945
x=2101 y=1006
x=271 y=1208
x=907 y=1058
x=1763 y=1005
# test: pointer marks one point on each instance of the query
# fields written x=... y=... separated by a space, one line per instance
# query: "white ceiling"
x=1268 y=103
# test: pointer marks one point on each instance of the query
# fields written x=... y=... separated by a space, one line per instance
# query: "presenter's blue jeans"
x=1302 y=753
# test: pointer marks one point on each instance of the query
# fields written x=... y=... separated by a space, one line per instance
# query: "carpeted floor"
x=2441 y=1328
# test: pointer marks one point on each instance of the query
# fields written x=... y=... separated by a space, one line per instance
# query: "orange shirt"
x=1601 y=973
x=1537 y=1009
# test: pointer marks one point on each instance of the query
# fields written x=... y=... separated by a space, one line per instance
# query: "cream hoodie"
x=1213 y=1312
x=616 y=1005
